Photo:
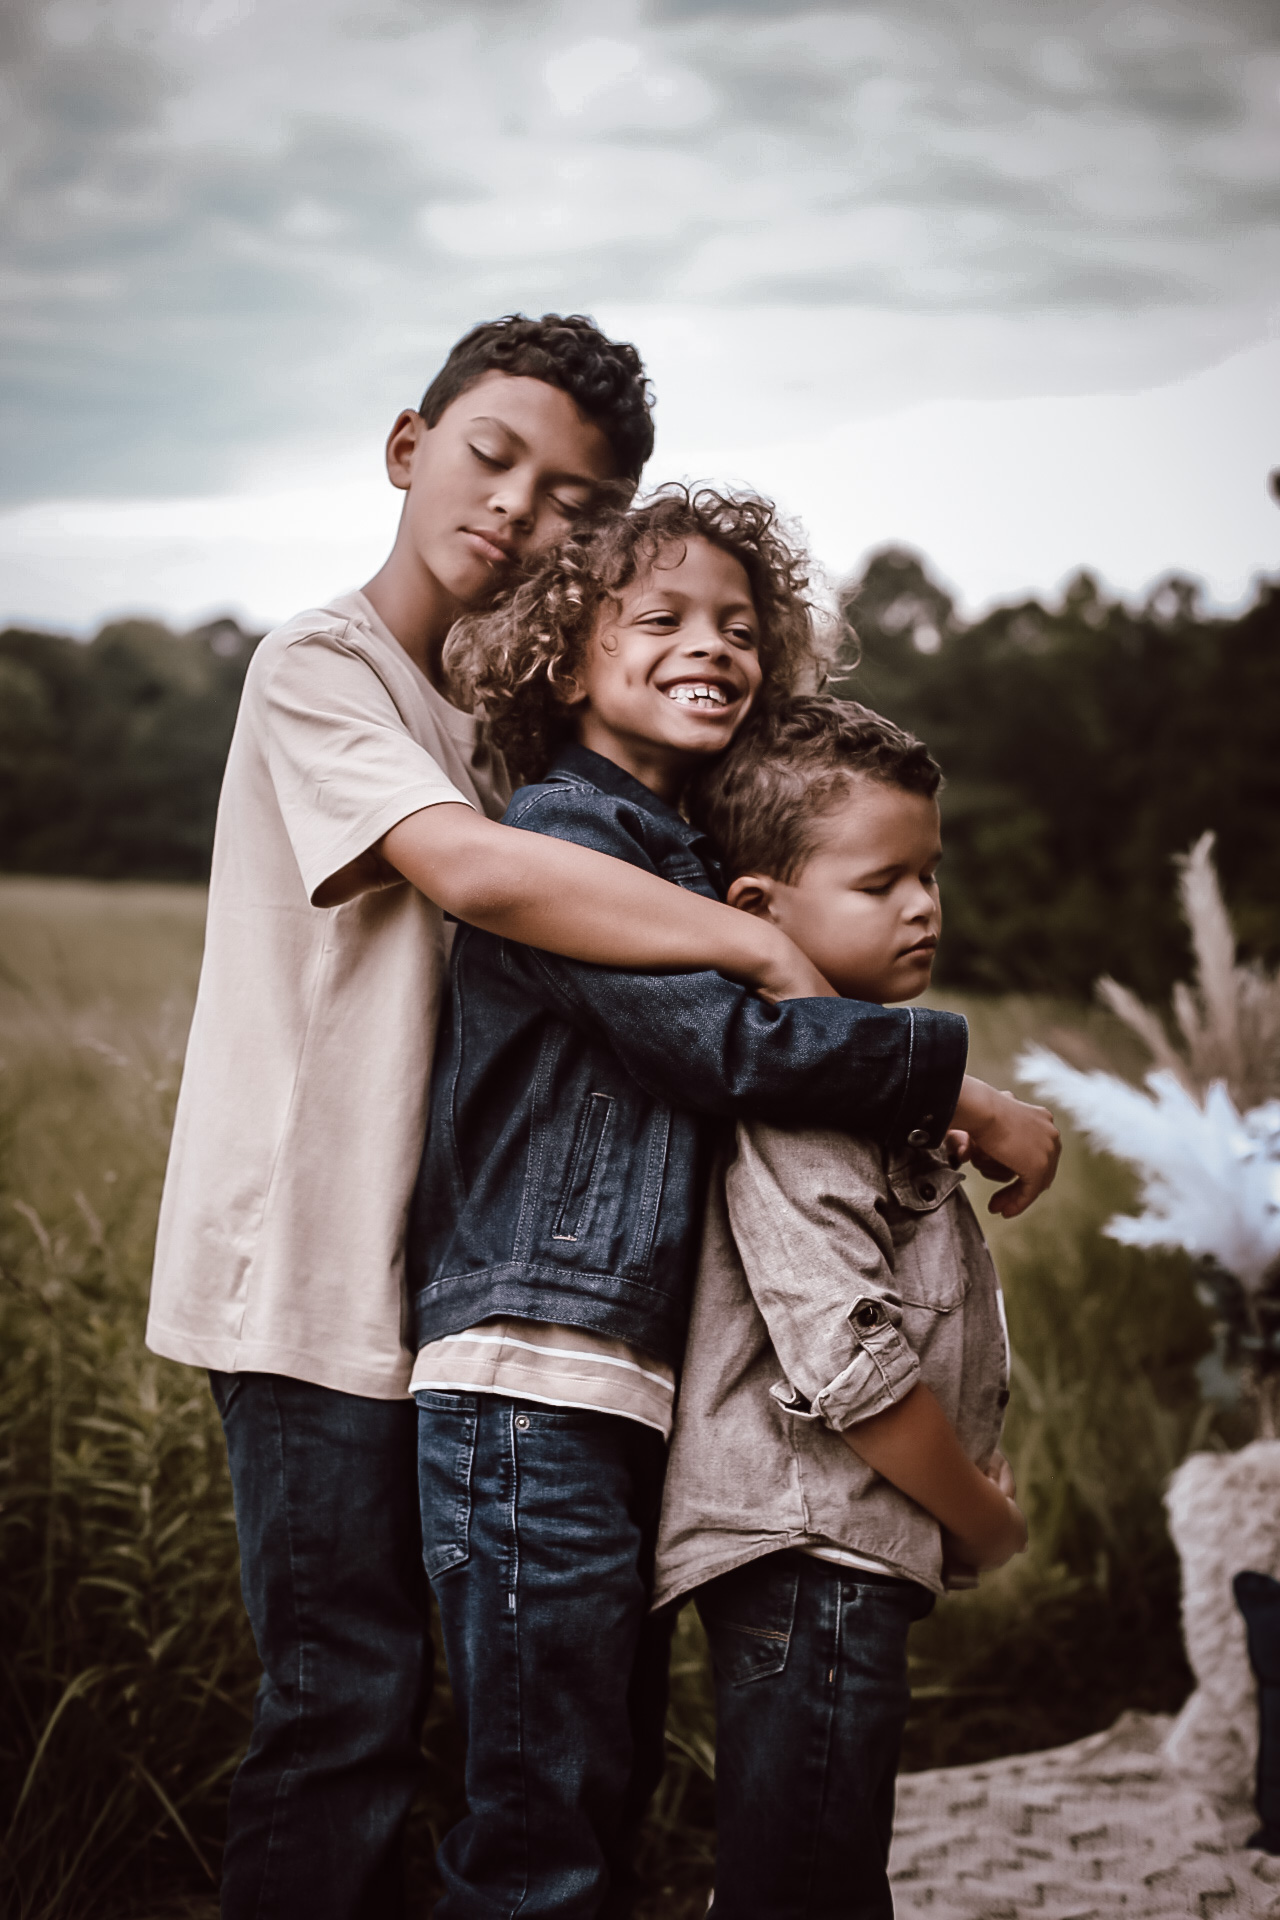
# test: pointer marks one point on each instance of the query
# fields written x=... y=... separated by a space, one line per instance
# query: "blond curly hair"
x=514 y=661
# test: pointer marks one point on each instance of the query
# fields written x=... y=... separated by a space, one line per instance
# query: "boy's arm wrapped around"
x=701 y=1041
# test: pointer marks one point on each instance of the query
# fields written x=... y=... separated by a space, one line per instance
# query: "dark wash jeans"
x=538 y=1527
x=811 y=1697
x=326 y=1504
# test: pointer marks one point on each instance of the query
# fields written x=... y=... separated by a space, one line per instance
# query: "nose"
x=923 y=902
x=703 y=639
x=513 y=496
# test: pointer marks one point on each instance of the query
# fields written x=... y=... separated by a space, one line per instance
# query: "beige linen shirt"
x=300 y=1119
x=832 y=1278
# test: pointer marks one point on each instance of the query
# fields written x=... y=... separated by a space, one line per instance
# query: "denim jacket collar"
x=578 y=764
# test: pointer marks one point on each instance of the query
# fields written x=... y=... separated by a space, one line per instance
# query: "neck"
x=653 y=765
x=419 y=612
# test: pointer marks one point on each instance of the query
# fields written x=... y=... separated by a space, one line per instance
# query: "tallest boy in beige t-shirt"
x=299 y=1125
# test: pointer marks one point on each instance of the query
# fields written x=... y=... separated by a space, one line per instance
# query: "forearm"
x=914 y=1446
x=572 y=900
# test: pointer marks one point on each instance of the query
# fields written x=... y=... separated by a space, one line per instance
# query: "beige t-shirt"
x=280 y=1247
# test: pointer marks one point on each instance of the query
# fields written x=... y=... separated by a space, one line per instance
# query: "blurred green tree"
x=1084 y=743
x=111 y=753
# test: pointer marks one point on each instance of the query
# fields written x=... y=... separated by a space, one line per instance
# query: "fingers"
x=959 y=1147
x=1012 y=1200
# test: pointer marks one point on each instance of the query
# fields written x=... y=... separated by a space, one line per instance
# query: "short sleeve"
x=344 y=765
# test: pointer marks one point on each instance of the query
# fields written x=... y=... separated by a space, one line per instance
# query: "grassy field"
x=127 y=1667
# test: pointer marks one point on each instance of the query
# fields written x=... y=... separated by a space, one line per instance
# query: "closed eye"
x=494 y=463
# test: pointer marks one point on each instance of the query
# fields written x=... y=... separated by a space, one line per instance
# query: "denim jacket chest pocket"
x=583 y=1205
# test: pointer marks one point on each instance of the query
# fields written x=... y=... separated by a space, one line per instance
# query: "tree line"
x=1084 y=744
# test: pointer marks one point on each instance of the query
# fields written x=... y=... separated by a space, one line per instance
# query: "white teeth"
x=696 y=693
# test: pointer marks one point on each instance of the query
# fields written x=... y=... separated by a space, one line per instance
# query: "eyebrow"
x=745 y=605
x=553 y=479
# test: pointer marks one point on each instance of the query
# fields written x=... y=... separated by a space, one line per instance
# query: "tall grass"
x=125 y=1661
x=126 y=1666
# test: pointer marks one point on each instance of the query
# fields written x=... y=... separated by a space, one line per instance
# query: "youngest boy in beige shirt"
x=834 y=1460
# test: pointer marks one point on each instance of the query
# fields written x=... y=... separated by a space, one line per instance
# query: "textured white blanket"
x=1105 y=1826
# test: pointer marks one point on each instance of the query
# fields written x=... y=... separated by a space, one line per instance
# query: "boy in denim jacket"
x=834 y=1462
x=554 y=1240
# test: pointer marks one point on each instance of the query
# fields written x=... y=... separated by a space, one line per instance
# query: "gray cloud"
x=230 y=226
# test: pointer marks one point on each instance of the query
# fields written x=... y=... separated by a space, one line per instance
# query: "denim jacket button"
x=927 y=1190
x=917 y=1137
x=522 y=1421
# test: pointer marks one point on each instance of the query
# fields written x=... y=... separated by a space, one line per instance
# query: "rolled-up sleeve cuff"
x=939 y=1054
x=882 y=1371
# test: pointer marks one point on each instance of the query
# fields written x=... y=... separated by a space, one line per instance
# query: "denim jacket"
x=563 y=1177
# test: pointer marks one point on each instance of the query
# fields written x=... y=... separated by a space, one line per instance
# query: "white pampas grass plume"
x=1210 y=1176
x=1229 y=1017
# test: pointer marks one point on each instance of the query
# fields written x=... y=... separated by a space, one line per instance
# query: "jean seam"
x=818 y=1827
x=284 y=1783
x=513 y=1590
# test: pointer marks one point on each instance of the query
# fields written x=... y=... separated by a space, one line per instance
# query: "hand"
x=1000 y=1473
x=1004 y=1535
x=958 y=1568
x=957 y=1575
x=1008 y=1140
x=786 y=972
x=961 y=1150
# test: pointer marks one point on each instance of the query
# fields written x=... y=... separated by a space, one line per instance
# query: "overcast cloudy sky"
x=999 y=279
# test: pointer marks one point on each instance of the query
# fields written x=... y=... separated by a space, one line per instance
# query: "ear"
x=402 y=444
x=753 y=893
x=567 y=691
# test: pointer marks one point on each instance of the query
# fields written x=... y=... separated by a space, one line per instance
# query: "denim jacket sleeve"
x=700 y=1041
x=818 y=1257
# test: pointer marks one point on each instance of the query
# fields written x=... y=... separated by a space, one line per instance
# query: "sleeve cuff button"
x=917 y=1137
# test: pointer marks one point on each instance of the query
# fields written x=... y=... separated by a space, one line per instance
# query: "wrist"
x=976 y=1107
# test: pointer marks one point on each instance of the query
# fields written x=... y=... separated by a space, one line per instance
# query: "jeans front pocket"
x=446 y=1452
x=748 y=1615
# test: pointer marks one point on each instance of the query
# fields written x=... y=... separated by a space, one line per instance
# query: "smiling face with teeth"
x=672 y=667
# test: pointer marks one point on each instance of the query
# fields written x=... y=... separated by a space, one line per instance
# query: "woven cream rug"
x=1102 y=1827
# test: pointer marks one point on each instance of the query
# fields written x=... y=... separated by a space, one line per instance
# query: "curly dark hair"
x=604 y=378
x=760 y=801
x=513 y=660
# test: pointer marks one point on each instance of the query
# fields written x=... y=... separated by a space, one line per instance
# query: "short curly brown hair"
x=761 y=802
x=512 y=660
x=604 y=378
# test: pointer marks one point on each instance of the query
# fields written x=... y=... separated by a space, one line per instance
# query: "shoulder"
x=302 y=643
x=575 y=810
x=811 y=1164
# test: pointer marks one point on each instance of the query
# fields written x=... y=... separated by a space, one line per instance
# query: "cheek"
x=834 y=926
x=602 y=675
x=440 y=494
